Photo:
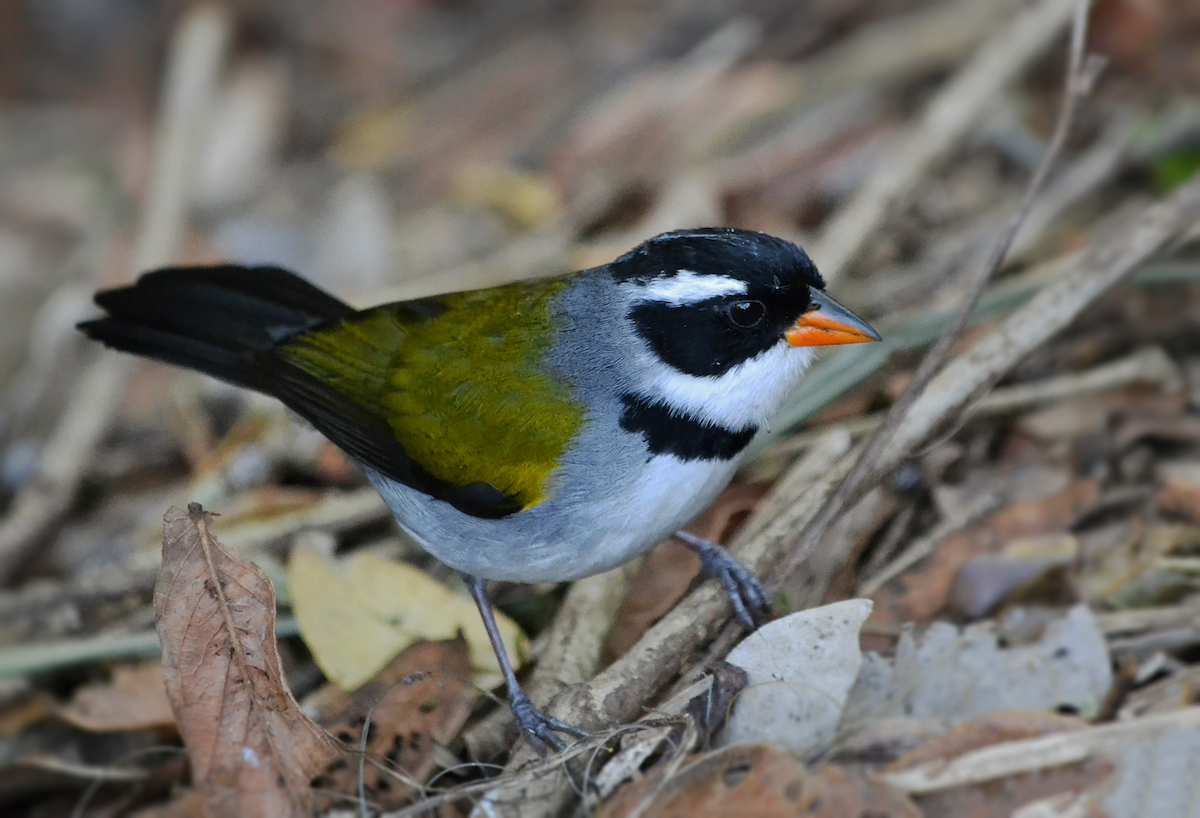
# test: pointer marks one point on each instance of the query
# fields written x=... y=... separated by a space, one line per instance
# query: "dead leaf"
x=252 y=751
x=990 y=729
x=135 y=698
x=800 y=671
x=759 y=782
x=1026 y=569
x=356 y=614
x=419 y=701
x=529 y=199
x=18 y=715
x=1177 y=691
x=961 y=675
x=923 y=591
x=1180 y=491
x=835 y=791
x=663 y=579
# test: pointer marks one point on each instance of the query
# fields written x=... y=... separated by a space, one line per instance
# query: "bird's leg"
x=536 y=726
x=746 y=594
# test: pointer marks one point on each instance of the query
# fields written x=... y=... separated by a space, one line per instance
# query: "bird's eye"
x=746 y=313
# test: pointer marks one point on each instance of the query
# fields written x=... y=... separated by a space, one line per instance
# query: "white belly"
x=564 y=539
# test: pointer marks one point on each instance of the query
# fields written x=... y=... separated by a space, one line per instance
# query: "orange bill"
x=826 y=323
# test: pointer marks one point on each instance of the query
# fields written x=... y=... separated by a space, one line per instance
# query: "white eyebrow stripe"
x=687 y=287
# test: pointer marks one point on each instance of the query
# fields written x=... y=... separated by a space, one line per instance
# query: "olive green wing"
x=446 y=395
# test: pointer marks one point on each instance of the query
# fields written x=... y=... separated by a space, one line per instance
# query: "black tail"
x=217 y=320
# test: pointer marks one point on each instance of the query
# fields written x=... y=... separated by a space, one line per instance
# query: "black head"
x=706 y=300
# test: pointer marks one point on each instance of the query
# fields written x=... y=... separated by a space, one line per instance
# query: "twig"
x=26 y=659
x=945 y=122
x=1037 y=755
x=1079 y=80
x=196 y=57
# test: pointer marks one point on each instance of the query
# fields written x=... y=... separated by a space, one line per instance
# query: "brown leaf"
x=16 y=716
x=420 y=700
x=757 y=781
x=135 y=698
x=1180 y=491
x=923 y=591
x=252 y=751
x=835 y=791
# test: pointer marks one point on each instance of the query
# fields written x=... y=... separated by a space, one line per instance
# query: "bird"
x=537 y=431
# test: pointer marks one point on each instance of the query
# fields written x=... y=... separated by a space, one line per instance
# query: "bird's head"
x=729 y=318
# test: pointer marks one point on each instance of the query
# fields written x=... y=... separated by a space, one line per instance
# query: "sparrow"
x=540 y=431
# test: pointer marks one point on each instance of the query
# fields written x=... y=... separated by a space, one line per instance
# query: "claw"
x=538 y=728
x=747 y=595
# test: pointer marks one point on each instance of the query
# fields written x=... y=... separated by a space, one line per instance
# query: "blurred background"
x=389 y=149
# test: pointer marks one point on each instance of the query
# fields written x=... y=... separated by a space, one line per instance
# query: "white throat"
x=748 y=394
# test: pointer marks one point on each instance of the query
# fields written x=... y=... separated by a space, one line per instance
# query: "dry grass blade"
x=253 y=752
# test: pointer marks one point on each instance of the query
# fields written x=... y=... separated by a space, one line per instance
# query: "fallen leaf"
x=918 y=594
x=419 y=701
x=27 y=711
x=758 y=782
x=800 y=670
x=1025 y=566
x=135 y=698
x=663 y=579
x=527 y=198
x=836 y=791
x=985 y=730
x=252 y=751
x=1146 y=766
x=960 y=675
x=1180 y=489
x=357 y=614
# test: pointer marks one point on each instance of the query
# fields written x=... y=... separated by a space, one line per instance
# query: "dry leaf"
x=357 y=614
x=757 y=782
x=17 y=716
x=252 y=751
x=990 y=729
x=1180 y=492
x=135 y=698
x=663 y=579
x=421 y=700
x=800 y=671
x=961 y=675
x=923 y=591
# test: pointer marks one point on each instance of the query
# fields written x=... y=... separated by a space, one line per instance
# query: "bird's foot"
x=538 y=728
x=746 y=593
